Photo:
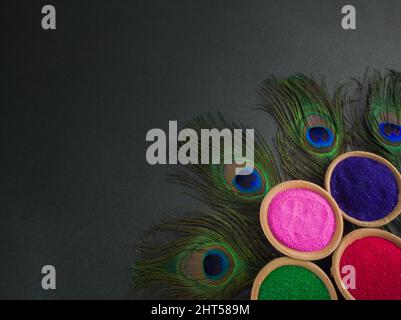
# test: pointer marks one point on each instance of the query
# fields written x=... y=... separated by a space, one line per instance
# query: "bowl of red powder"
x=367 y=265
x=366 y=187
x=301 y=220
x=289 y=279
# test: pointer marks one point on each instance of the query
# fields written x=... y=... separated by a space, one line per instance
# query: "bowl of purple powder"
x=366 y=187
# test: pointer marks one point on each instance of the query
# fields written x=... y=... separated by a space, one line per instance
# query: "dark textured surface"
x=76 y=103
x=364 y=189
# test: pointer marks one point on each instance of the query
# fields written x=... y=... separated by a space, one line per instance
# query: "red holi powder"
x=377 y=264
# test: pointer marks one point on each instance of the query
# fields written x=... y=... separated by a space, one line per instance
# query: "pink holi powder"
x=301 y=219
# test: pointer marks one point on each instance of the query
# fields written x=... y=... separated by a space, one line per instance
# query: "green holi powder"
x=293 y=283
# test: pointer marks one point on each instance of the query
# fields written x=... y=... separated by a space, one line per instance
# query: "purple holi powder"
x=364 y=189
x=301 y=219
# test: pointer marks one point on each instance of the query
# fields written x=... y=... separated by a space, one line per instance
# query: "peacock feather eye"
x=390 y=132
x=216 y=264
x=320 y=137
x=248 y=181
x=318 y=133
x=211 y=264
x=389 y=126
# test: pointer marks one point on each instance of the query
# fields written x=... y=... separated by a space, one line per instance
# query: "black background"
x=76 y=191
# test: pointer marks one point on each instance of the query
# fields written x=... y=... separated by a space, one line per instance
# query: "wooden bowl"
x=276 y=263
x=376 y=223
x=347 y=240
x=301 y=255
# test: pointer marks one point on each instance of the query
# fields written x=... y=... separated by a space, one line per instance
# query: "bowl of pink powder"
x=301 y=220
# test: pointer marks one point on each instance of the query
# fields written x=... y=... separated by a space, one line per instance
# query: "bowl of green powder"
x=290 y=279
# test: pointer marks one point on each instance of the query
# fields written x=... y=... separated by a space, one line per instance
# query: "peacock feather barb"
x=214 y=255
x=311 y=125
x=378 y=129
x=219 y=185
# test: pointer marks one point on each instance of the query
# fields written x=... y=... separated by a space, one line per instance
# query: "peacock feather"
x=378 y=128
x=220 y=185
x=311 y=126
x=215 y=255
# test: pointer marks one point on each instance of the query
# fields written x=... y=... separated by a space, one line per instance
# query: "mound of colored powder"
x=293 y=283
x=301 y=219
x=377 y=264
x=364 y=189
